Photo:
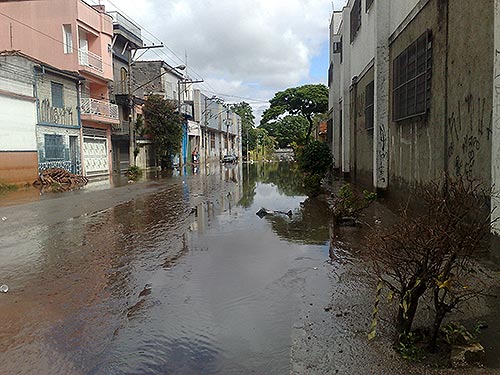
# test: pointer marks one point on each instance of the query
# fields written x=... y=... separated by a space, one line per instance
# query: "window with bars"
x=355 y=19
x=54 y=147
x=369 y=105
x=412 y=78
x=57 y=94
x=368 y=4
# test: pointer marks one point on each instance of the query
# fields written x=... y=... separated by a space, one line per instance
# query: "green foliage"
x=288 y=130
x=248 y=131
x=164 y=126
x=347 y=203
x=305 y=101
x=315 y=158
x=134 y=173
x=408 y=349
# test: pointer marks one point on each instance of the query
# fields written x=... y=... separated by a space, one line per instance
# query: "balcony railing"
x=120 y=19
x=121 y=128
x=101 y=108
x=89 y=59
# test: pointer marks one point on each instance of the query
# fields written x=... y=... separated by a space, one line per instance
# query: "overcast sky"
x=246 y=48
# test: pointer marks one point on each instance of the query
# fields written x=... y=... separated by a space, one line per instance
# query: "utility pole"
x=130 y=100
x=179 y=107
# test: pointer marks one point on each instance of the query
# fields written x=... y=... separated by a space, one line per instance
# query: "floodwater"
x=178 y=275
x=188 y=280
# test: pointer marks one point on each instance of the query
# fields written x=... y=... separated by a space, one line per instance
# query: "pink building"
x=75 y=36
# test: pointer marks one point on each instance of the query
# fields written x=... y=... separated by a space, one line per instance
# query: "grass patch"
x=5 y=188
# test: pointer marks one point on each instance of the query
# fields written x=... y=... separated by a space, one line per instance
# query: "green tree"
x=288 y=130
x=306 y=101
x=248 y=133
x=164 y=126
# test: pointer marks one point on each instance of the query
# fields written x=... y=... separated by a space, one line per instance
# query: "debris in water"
x=315 y=268
x=264 y=211
x=4 y=218
x=146 y=291
x=4 y=288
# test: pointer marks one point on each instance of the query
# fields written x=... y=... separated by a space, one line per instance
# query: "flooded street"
x=188 y=280
x=180 y=276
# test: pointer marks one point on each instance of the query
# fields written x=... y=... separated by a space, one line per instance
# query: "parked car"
x=231 y=158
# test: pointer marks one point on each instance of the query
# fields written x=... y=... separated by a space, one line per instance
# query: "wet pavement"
x=179 y=275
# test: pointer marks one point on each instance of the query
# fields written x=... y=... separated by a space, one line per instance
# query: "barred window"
x=412 y=79
x=355 y=19
x=54 y=147
x=368 y=4
x=369 y=105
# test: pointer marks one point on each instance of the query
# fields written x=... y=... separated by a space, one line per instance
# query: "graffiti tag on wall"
x=469 y=127
x=53 y=115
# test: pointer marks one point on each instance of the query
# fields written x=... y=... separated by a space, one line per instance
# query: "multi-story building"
x=74 y=36
x=126 y=40
x=414 y=91
x=57 y=131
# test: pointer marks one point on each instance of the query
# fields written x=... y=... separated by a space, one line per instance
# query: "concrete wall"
x=470 y=100
x=455 y=136
x=495 y=129
x=362 y=138
x=18 y=157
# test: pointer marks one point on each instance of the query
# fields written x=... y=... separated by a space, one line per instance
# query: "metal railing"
x=121 y=128
x=97 y=107
x=128 y=24
x=90 y=59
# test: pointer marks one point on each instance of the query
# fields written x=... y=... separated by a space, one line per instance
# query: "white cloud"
x=244 y=48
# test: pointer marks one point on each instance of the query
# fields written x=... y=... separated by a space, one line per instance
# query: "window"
x=330 y=75
x=54 y=147
x=212 y=140
x=355 y=19
x=368 y=4
x=412 y=76
x=369 y=101
x=67 y=39
x=57 y=95
x=123 y=80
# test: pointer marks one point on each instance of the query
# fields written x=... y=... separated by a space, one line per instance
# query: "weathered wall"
x=495 y=129
x=416 y=148
x=362 y=138
x=18 y=167
x=470 y=67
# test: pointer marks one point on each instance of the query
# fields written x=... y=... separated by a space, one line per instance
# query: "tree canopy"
x=287 y=130
x=164 y=126
x=306 y=101
x=248 y=131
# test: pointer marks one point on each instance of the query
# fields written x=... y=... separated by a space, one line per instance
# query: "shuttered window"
x=57 y=95
x=412 y=79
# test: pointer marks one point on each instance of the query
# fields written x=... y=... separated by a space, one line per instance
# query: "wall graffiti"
x=52 y=115
x=382 y=153
x=469 y=127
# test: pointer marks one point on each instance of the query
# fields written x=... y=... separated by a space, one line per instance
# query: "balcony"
x=90 y=61
x=99 y=111
x=122 y=128
x=127 y=28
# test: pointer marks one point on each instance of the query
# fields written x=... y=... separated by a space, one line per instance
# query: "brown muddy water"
x=188 y=280
x=178 y=275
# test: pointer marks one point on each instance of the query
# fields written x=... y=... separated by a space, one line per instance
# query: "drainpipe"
x=79 y=119
x=37 y=102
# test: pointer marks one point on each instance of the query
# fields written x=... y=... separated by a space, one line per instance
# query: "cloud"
x=248 y=48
